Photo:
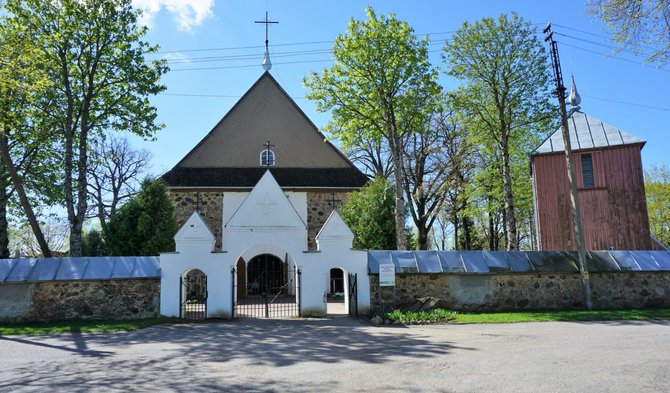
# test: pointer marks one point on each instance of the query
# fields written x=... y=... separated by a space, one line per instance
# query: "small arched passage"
x=337 y=297
x=193 y=294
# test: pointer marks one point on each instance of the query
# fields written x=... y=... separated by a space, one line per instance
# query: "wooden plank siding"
x=614 y=212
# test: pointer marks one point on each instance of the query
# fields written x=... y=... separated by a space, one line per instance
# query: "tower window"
x=587 y=171
x=267 y=158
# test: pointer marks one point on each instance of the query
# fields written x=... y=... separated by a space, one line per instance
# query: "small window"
x=267 y=158
x=587 y=171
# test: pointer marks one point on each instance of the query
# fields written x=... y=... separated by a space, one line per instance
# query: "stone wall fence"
x=40 y=290
x=526 y=291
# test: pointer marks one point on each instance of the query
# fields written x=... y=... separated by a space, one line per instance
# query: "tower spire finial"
x=575 y=99
x=267 y=64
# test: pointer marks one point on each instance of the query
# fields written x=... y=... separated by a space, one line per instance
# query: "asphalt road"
x=345 y=355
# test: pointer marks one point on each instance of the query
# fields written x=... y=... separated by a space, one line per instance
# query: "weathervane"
x=267 y=64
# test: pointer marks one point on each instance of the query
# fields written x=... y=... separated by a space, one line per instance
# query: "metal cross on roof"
x=197 y=202
x=267 y=64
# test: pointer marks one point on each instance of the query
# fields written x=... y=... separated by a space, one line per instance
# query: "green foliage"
x=419 y=317
x=93 y=244
x=381 y=87
x=369 y=214
x=657 y=188
x=506 y=103
x=93 y=54
x=640 y=25
x=145 y=225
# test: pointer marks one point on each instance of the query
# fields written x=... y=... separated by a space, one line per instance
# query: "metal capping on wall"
x=516 y=261
x=82 y=268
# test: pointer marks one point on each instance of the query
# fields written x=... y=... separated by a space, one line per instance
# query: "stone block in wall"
x=15 y=301
x=319 y=207
x=210 y=205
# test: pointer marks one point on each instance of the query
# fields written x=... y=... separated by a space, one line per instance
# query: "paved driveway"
x=345 y=355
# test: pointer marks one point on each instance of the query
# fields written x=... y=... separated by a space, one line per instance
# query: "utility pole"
x=574 y=197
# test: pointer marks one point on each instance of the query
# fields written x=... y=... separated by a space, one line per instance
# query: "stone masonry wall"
x=210 y=206
x=99 y=299
x=319 y=207
x=528 y=291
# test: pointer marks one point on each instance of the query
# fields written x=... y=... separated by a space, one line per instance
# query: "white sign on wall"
x=387 y=275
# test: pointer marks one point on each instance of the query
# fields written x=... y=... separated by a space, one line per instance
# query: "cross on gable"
x=333 y=202
x=266 y=203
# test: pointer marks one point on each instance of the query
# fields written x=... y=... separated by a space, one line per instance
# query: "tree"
x=643 y=25
x=55 y=230
x=93 y=244
x=95 y=59
x=21 y=151
x=369 y=214
x=432 y=159
x=145 y=225
x=506 y=94
x=657 y=188
x=114 y=175
x=381 y=87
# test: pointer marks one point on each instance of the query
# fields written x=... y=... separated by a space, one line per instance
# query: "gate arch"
x=266 y=286
x=193 y=294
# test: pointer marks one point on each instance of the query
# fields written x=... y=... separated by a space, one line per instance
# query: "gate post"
x=299 y=292
x=353 y=294
x=232 y=292
x=181 y=300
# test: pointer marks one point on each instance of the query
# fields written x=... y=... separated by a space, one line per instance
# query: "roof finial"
x=575 y=99
x=267 y=64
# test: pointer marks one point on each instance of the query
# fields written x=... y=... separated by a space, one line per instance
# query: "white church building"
x=260 y=234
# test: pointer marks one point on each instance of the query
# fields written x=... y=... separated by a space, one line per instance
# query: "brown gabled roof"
x=229 y=155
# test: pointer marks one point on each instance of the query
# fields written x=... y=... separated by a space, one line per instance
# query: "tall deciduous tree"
x=115 y=175
x=432 y=159
x=95 y=59
x=381 y=87
x=22 y=148
x=657 y=188
x=643 y=25
x=506 y=91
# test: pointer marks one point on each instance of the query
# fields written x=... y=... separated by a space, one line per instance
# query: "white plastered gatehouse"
x=264 y=223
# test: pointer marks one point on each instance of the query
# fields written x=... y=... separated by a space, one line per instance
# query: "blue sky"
x=215 y=50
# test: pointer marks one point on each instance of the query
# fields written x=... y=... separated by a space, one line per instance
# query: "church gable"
x=230 y=155
x=335 y=230
x=264 y=113
x=266 y=207
x=194 y=231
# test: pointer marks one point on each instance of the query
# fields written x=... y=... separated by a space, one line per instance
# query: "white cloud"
x=186 y=13
x=177 y=58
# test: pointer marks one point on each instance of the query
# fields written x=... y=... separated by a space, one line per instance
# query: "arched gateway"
x=252 y=226
x=267 y=286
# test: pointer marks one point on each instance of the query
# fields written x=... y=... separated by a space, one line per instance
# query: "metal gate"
x=353 y=294
x=193 y=296
x=266 y=296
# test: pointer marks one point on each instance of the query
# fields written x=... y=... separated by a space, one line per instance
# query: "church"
x=256 y=202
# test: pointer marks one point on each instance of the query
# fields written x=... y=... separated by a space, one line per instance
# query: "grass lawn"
x=644 y=314
x=445 y=316
x=80 y=326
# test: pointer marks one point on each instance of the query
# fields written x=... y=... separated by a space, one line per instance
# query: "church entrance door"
x=270 y=289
